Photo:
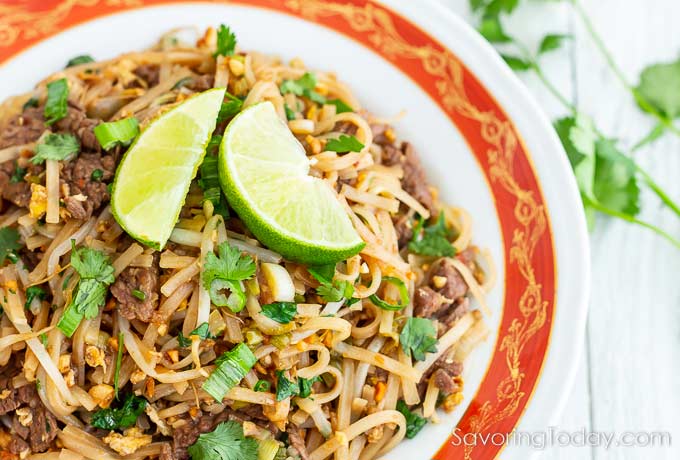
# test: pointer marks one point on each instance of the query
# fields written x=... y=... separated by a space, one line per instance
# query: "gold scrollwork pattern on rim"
x=22 y=21
x=530 y=216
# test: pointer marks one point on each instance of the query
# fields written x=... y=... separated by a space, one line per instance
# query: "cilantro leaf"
x=31 y=102
x=515 y=63
x=335 y=291
x=56 y=106
x=290 y=115
x=615 y=185
x=225 y=442
x=340 y=106
x=84 y=59
x=281 y=312
x=414 y=422
x=322 y=273
x=432 y=240
x=418 y=337
x=203 y=331
x=96 y=274
x=56 y=147
x=32 y=292
x=578 y=138
x=284 y=387
x=224 y=272
x=9 y=243
x=660 y=86
x=344 y=144
x=123 y=417
x=306 y=385
x=492 y=29
x=552 y=42
x=226 y=42
x=303 y=86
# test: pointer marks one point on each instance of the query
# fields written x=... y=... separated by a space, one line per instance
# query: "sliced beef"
x=442 y=295
x=345 y=127
x=87 y=194
x=404 y=230
x=32 y=424
x=149 y=73
x=414 y=180
x=444 y=371
x=141 y=279
x=18 y=193
x=166 y=452
x=454 y=286
x=428 y=302
x=77 y=122
x=201 y=83
x=391 y=155
x=297 y=441
x=24 y=128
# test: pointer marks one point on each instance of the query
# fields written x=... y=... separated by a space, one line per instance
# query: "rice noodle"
x=52 y=185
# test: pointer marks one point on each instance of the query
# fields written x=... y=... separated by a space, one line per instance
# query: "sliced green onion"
x=116 y=132
x=236 y=299
x=262 y=385
x=403 y=294
x=84 y=59
x=70 y=320
x=139 y=294
x=56 y=104
x=340 y=106
x=119 y=362
x=232 y=367
x=268 y=449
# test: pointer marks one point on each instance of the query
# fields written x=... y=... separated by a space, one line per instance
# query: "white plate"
x=385 y=90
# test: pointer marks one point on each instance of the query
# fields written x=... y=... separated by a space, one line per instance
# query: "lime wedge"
x=154 y=176
x=264 y=174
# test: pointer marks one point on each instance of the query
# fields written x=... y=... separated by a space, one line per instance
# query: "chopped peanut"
x=64 y=364
x=452 y=400
x=25 y=416
x=173 y=355
x=102 y=395
x=5 y=394
x=95 y=357
x=439 y=281
x=375 y=434
x=389 y=134
x=149 y=387
x=137 y=376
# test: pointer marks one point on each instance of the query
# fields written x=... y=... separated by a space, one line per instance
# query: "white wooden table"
x=629 y=376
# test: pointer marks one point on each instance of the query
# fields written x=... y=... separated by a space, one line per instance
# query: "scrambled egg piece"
x=38 y=204
x=127 y=443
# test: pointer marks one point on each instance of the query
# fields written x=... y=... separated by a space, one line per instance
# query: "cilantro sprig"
x=303 y=86
x=56 y=147
x=96 y=274
x=331 y=290
x=56 y=106
x=432 y=240
x=344 y=144
x=287 y=388
x=122 y=417
x=418 y=336
x=609 y=180
x=281 y=312
x=225 y=442
x=226 y=41
x=225 y=271
x=414 y=422
x=202 y=331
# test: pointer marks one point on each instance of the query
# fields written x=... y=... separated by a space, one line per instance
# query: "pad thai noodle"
x=215 y=346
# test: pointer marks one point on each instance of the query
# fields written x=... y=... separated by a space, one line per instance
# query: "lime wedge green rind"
x=264 y=174
x=154 y=176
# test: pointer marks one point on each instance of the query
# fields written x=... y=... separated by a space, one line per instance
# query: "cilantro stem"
x=656 y=188
x=599 y=43
x=628 y=218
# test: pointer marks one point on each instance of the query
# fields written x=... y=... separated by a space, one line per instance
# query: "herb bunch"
x=608 y=177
